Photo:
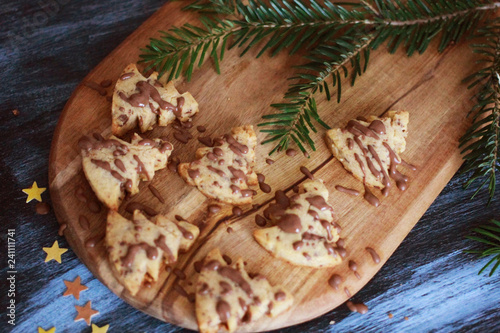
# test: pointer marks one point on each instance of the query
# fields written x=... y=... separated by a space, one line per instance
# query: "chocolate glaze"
x=127 y=76
x=198 y=265
x=206 y=140
x=357 y=307
x=84 y=222
x=156 y=193
x=180 y=274
x=161 y=242
x=374 y=255
x=237 y=211
x=146 y=92
x=212 y=265
x=319 y=202
x=181 y=290
x=377 y=126
x=235 y=276
x=131 y=206
x=217 y=171
x=260 y=221
x=371 y=198
x=306 y=172
x=62 y=227
x=335 y=281
x=213 y=209
x=42 y=208
x=96 y=87
x=280 y=296
x=248 y=193
x=349 y=191
x=223 y=310
x=173 y=164
x=225 y=288
x=106 y=83
x=350 y=143
x=227 y=259
x=290 y=223
x=298 y=245
x=235 y=146
x=183 y=136
x=185 y=233
x=128 y=259
x=358 y=129
x=92 y=242
x=193 y=173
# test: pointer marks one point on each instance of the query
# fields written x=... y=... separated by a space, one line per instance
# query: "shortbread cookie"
x=146 y=101
x=227 y=297
x=369 y=149
x=114 y=167
x=136 y=248
x=225 y=172
x=304 y=231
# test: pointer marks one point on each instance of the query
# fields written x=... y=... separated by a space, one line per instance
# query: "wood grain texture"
x=428 y=87
x=425 y=278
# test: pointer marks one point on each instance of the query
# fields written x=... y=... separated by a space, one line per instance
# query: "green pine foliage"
x=328 y=64
x=480 y=144
x=336 y=40
x=490 y=236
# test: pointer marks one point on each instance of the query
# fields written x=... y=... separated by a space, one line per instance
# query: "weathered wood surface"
x=424 y=280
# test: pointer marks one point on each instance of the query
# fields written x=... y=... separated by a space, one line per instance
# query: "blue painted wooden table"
x=46 y=48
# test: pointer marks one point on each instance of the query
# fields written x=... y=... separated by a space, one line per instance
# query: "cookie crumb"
x=390 y=315
x=406 y=318
x=332 y=322
x=15 y=112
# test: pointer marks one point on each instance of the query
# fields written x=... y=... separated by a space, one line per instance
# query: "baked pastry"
x=304 y=231
x=146 y=101
x=226 y=296
x=225 y=171
x=114 y=167
x=369 y=149
x=136 y=248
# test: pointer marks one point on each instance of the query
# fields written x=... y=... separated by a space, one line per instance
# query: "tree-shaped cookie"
x=304 y=231
x=114 y=167
x=227 y=297
x=137 y=247
x=369 y=149
x=146 y=101
x=225 y=171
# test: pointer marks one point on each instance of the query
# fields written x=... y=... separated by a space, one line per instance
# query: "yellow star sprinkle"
x=41 y=330
x=97 y=329
x=34 y=192
x=54 y=252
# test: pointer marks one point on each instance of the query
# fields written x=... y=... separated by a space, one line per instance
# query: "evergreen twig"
x=293 y=121
x=481 y=142
x=489 y=235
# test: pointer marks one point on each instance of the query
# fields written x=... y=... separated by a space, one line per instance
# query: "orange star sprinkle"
x=74 y=288
x=85 y=312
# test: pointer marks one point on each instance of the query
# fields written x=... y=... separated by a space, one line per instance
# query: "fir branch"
x=489 y=235
x=415 y=23
x=223 y=7
x=481 y=142
x=285 y=25
x=293 y=122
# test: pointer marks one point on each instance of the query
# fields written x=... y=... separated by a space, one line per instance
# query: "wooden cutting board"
x=428 y=86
